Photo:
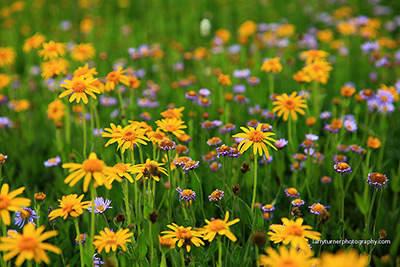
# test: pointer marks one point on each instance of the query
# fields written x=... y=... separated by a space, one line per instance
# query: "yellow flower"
x=83 y=52
x=115 y=77
x=29 y=245
x=109 y=240
x=85 y=71
x=313 y=55
x=218 y=226
x=70 y=205
x=272 y=65
x=52 y=50
x=4 y=80
x=373 y=142
x=257 y=138
x=344 y=258
x=78 y=87
x=157 y=136
x=286 y=257
x=247 y=28
x=133 y=82
x=150 y=169
x=184 y=236
x=301 y=77
x=224 y=79
x=33 y=42
x=7 y=56
x=289 y=105
x=120 y=171
x=223 y=34
x=318 y=71
x=56 y=110
x=294 y=233
x=91 y=168
x=173 y=126
x=166 y=242
x=173 y=113
x=126 y=137
x=285 y=30
x=54 y=67
x=9 y=202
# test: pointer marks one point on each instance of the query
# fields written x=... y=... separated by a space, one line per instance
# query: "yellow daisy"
x=126 y=137
x=120 y=171
x=287 y=257
x=52 y=50
x=150 y=169
x=184 y=236
x=79 y=87
x=344 y=258
x=91 y=168
x=70 y=205
x=173 y=126
x=173 y=113
x=115 y=77
x=289 y=105
x=218 y=226
x=109 y=240
x=257 y=138
x=29 y=245
x=9 y=202
x=83 y=52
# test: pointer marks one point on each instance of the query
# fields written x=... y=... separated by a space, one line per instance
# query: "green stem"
x=79 y=240
x=219 y=252
x=151 y=243
x=366 y=229
x=163 y=260
x=201 y=193
x=182 y=256
x=271 y=83
x=254 y=185
x=342 y=204
x=67 y=125
x=84 y=130
x=126 y=200
x=121 y=104
x=92 y=214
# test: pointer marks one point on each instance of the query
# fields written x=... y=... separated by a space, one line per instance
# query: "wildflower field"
x=200 y=133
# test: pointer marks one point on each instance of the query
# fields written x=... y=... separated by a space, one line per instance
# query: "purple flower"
x=52 y=162
x=26 y=215
x=312 y=137
x=281 y=143
x=342 y=167
x=97 y=131
x=316 y=208
x=297 y=202
x=215 y=166
x=253 y=80
x=100 y=205
x=190 y=165
x=83 y=239
x=377 y=179
x=186 y=194
x=268 y=208
x=224 y=150
x=204 y=92
x=239 y=89
x=350 y=125
x=216 y=195
x=96 y=260
x=5 y=122
x=370 y=46
x=325 y=115
x=296 y=166
x=241 y=74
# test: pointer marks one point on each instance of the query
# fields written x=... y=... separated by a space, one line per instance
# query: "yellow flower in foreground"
x=173 y=126
x=293 y=232
x=218 y=226
x=289 y=105
x=9 y=202
x=184 y=235
x=79 y=87
x=115 y=77
x=126 y=137
x=150 y=169
x=257 y=138
x=286 y=257
x=91 y=168
x=85 y=71
x=344 y=258
x=70 y=205
x=29 y=245
x=109 y=240
x=120 y=171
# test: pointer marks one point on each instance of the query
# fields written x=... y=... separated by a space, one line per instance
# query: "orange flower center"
x=318 y=208
x=384 y=98
x=256 y=136
x=27 y=243
x=342 y=166
x=113 y=76
x=378 y=178
x=4 y=202
x=289 y=104
x=340 y=157
x=208 y=124
x=184 y=234
x=292 y=191
x=308 y=143
x=187 y=193
x=294 y=230
x=79 y=87
x=111 y=242
x=288 y=263
x=100 y=208
x=218 y=193
x=92 y=165
x=217 y=225
x=368 y=92
x=25 y=214
x=120 y=167
x=129 y=135
x=183 y=160
x=170 y=127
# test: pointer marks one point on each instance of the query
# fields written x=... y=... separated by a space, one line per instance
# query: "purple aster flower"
x=339 y=158
x=239 y=89
x=325 y=115
x=368 y=47
x=96 y=260
x=377 y=179
x=384 y=97
x=326 y=179
x=312 y=137
x=233 y=49
x=331 y=128
x=204 y=102
x=255 y=110
x=179 y=66
x=26 y=215
x=241 y=74
x=316 y=208
x=52 y=162
x=304 y=94
x=291 y=192
x=5 y=122
x=216 y=195
x=367 y=94
x=167 y=145
x=268 y=208
x=296 y=166
x=253 y=80
x=372 y=104
x=191 y=95
x=227 y=128
x=268 y=114
x=386 y=108
x=97 y=131
x=100 y=205
x=297 y=202
x=3 y=99
x=215 y=166
x=253 y=123
x=190 y=165
x=281 y=143
x=381 y=62
x=204 y=92
x=350 y=125
x=309 y=151
x=356 y=148
x=266 y=160
x=208 y=125
x=224 y=150
x=342 y=148
x=241 y=99
x=83 y=239
x=186 y=194
x=342 y=167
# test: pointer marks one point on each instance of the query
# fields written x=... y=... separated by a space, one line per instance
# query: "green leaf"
x=361 y=204
x=245 y=212
x=78 y=156
x=236 y=255
x=141 y=248
x=394 y=248
x=259 y=221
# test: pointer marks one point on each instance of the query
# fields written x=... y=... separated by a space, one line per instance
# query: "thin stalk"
x=254 y=185
x=219 y=252
x=201 y=193
x=79 y=240
x=92 y=214
x=366 y=229
x=84 y=130
x=121 y=104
